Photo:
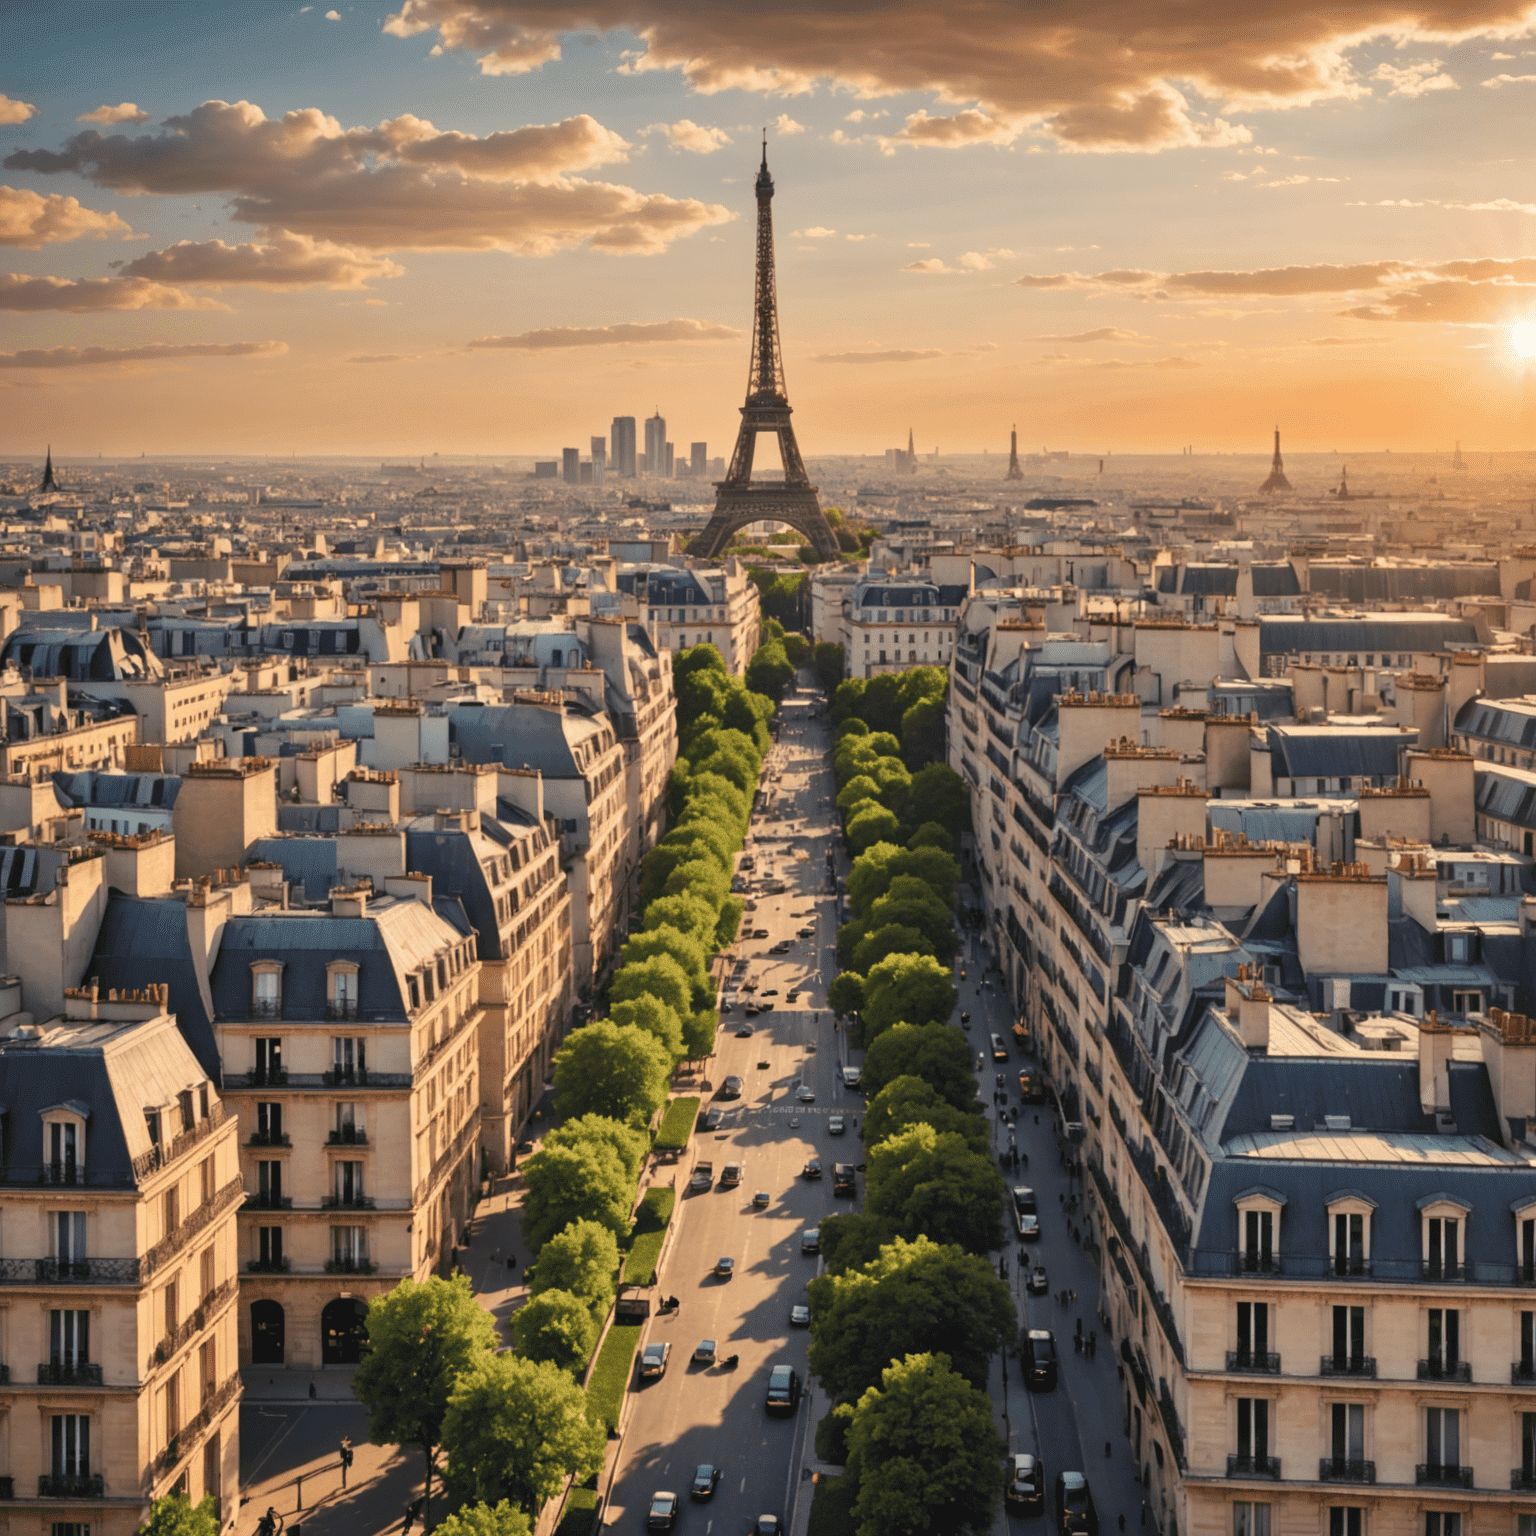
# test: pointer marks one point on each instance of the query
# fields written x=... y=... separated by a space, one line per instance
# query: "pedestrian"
x=1074 y=1298
x=495 y=1253
x=312 y=1392
x=1106 y=1450
x=1122 y=1522
x=1093 y=1343
x=1077 y=1344
x=511 y=1261
x=1037 y=1119
x=1079 y=1327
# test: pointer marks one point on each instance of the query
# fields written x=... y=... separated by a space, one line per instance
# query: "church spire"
x=49 y=483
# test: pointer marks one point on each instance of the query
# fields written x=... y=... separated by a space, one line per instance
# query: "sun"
x=1522 y=337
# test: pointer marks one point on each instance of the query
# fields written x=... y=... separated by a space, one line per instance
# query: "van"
x=783 y=1390
x=1040 y=1366
x=999 y=1048
x=1031 y=1089
x=852 y=1077
x=1024 y=1484
x=844 y=1179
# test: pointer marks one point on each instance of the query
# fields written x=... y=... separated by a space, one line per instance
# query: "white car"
x=807 y=1094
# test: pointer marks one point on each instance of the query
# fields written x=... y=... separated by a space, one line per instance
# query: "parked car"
x=704 y=1353
x=730 y=1088
x=1040 y=1364
x=1029 y=1228
x=844 y=1180
x=703 y=1176
x=783 y=1390
x=653 y=1360
x=999 y=1048
x=851 y=1077
x=1024 y=1484
x=714 y=1118
x=744 y=1031
x=800 y=1316
x=1024 y=1200
x=810 y=1240
x=1074 y=1505
x=1038 y=1284
x=730 y=1175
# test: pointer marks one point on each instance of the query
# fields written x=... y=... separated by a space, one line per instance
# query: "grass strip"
x=677 y=1125
x=832 y=1507
x=580 y=1517
x=610 y=1376
x=647 y=1235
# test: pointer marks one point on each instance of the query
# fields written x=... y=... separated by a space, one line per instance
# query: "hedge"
x=677 y=1125
x=832 y=1507
x=580 y=1517
x=609 y=1380
x=646 y=1236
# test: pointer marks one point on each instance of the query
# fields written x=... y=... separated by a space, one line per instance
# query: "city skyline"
x=285 y=229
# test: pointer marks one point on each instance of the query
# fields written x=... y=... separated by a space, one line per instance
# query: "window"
x=269 y=1248
x=269 y=1124
x=269 y=1182
x=69 y=1337
x=1253 y=1335
x=1442 y=1230
x=349 y=1248
x=349 y=1058
x=1442 y=1439
x=1441 y=1523
x=1348 y=1440
x=269 y=1059
x=171 y=1296
x=170 y=1208
x=68 y=1231
x=1525 y=1238
x=1253 y=1434
x=1528 y=1447
x=341 y=990
x=349 y=1125
x=71 y=1445
x=1258 y=1240
x=267 y=989
x=1349 y=1340
x=1444 y=1356
x=207 y=1368
x=349 y=1183
x=1527 y=1366
x=205 y=1185
x=1349 y=1233
x=172 y=1406
x=1250 y=1519
x=184 y=1106
x=1466 y=1002
x=205 y=1273
x=1346 y=1520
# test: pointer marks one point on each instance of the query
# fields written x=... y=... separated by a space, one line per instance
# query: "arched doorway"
x=266 y=1333
x=343 y=1331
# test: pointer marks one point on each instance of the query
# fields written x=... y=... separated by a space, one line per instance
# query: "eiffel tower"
x=1014 y=472
x=1277 y=480
x=794 y=500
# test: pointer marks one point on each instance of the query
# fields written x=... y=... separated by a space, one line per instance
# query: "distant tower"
x=49 y=483
x=1343 y=492
x=911 y=453
x=1014 y=472
x=1458 y=462
x=1277 y=480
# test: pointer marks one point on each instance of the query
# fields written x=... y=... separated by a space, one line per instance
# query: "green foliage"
x=870 y=824
x=833 y=1502
x=659 y=976
x=770 y=670
x=922 y=733
x=581 y=1183
x=482 y=1520
x=891 y=939
x=852 y=726
x=832 y=1432
x=882 y=863
x=728 y=924
x=798 y=649
x=924 y=1452
x=938 y=1054
x=908 y=1101
x=610 y=1376
x=846 y=994
x=943 y=796
x=654 y=1017
x=700 y=878
x=422 y=1338
x=869 y=876
x=677 y=1125
x=930 y=834
x=629 y=1144
x=174 y=1515
x=581 y=1259
x=778 y=595
x=849 y=1240
x=699 y=1031
x=859 y=788
x=515 y=1429
x=916 y=1297
x=925 y=1181
x=827 y=661
x=906 y=989
x=580 y=1517
x=687 y=913
x=649 y=1233
x=846 y=699
x=556 y=1326
x=620 y=1071
x=687 y=951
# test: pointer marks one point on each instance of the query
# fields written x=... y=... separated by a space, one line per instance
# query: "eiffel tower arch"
x=738 y=501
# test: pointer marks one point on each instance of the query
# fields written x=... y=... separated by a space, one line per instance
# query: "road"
x=695 y=1415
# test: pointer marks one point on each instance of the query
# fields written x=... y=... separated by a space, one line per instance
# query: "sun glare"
x=1522 y=337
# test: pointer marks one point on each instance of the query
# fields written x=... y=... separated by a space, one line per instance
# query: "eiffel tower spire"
x=794 y=500
x=49 y=483
x=1277 y=480
x=1014 y=472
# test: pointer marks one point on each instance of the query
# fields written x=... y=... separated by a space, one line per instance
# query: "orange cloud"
x=89 y=357
x=31 y=295
x=123 y=112
x=288 y=261
x=30 y=220
x=555 y=337
x=13 y=111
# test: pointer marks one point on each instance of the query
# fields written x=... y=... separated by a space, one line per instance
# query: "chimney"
x=1435 y=1044
x=349 y=901
x=1509 y=1052
x=1417 y=882
x=1248 y=1004
x=1166 y=814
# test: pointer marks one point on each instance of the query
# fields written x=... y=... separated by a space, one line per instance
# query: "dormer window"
x=1444 y=1236
x=341 y=990
x=267 y=989
x=1258 y=1229
x=1524 y=1212
x=1349 y=1232
x=64 y=1142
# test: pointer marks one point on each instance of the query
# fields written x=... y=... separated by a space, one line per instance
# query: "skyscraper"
x=656 y=443
x=570 y=460
x=621 y=438
x=698 y=460
x=599 y=459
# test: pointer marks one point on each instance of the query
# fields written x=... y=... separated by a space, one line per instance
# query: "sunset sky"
x=486 y=226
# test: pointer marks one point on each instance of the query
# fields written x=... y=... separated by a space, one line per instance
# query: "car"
x=767 y=1525
x=800 y=1316
x=730 y=1088
x=653 y=1360
x=1038 y=1284
x=1031 y=1088
x=706 y=1479
x=662 y=1515
x=730 y=1175
x=812 y=1169
x=759 y=933
x=714 y=1118
x=783 y=1390
x=760 y=1200
x=810 y=1240
x=837 y=1126
x=1074 y=1505
x=725 y=1266
x=769 y=992
x=703 y=1176
x=744 y=1031
x=765 y=1007
x=783 y=947
x=852 y=1077
x=751 y=906
x=1040 y=1365
x=999 y=1048
x=806 y=933
x=705 y=1352
x=1024 y=1200
x=1029 y=1228
x=792 y=996
x=965 y=1018
x=1024 y=1483
x=806 y=1094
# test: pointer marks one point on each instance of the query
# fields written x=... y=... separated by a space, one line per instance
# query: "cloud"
x=123 y=112
x=401 y=185
x=557 y=337
x=1500 y=81
x=333 y=15
x=860 y=237
x=1099 y=74
x=957 y=132
x=919 y=355
x=1268 y=282
x=12 y=111
x=786 y=127
x=1161 y=362
x=383 y=357
x=688 y=135
x=289 y=261
x=929 y=264
x=90 y=357
x=919 y=245
x=1415 y=79
x=31 y=295
x=1297 y=180
x=1345 y=341
x=1103 y=333
x=815 y=232
x=31 y=220
x=976 y=261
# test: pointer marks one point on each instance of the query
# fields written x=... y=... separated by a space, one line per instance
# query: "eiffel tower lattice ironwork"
x=1014 y=472
x=1277 y=480
x=793 y=500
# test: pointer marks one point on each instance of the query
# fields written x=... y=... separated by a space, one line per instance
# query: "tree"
x=846 y=699
x=906 y=1101
x=629 y=1144
x=892 y=939
x=924 y=1451
x=911 y=903
x=922 y=733
x=849 y=1240
x=686 y=950
x=859 y=789
x=941 y=795
x=770 y=671
x=932 y=865
x=704 y=879
x=797 y=648
x=699 y=1031
x=566 y=1184
x=916 y=1297
x=890 y=773
x=870 y=875
x=852 y=726
x=482 y=1520
x=659 y=976
x=728 y=924
x=906 y=989
x=846 y=994
x=174 y=1515
x=931 y=835
x=654 y=1017
x=515 y=1429
x=926 y=1181
x=938 y=1054
x=582 y=1259
x=621 y=1071
x=828 y=664
x=871 y=823
x=421 y=1339
x=556 y=1326
x=687 y=913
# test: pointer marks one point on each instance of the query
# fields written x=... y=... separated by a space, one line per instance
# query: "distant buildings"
x=621 y=437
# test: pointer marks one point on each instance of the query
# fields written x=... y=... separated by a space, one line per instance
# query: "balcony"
x=7 y=1488
x=265 y=1201
x=63 y=1373
x=1347 y=1365
x=269 y=1139
x=1433 y=1475
x=1343 y=1268
x=1259 y=1263
x=266 y=1007
x=1445 y=1370
x=1523 y=1479
x=64 y=1172
x=349 y=1266
x=1523 y=1373
x=267 y=1266
x=1341 y=1469
x=79 y=1271
x=82 y=1486
x=347 y=1203
x=350 y=1137
x=1253 y=1466
x=1433 y=1269
x=340 y=1077
x=341 y=1008
x=1253 y=1362
x=266 y=1077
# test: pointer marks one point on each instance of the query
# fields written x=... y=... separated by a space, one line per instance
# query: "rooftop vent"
x=1336 y=1122
x=1282 y=1122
